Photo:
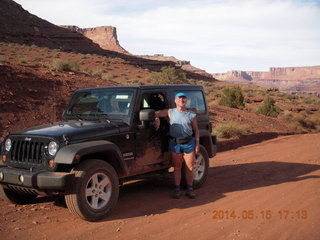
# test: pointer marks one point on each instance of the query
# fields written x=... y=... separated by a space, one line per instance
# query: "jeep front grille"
x=27 y=151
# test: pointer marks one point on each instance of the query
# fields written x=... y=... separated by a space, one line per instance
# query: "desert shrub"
x=232 y=97
x=301 y=122
x=231 y=129
x=97 y=73
x=134 y=81
x=85 y=56
x=22 y=59
x=312 y=100
x=269 y=108
x=2 y=59
x=109 y=77
x=69 y=65
x=168 y=75
x=307 y=122
x=293 y=97
x=87 y=70
x=212 y=104
x=287 y=115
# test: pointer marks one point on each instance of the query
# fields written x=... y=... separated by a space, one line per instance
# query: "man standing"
x=184 y=141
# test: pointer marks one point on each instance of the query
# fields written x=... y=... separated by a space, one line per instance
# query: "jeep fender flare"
x=67 y=154
x=209 y=142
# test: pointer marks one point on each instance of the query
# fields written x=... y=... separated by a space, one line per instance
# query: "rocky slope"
x=288 y=79
x=19 y=26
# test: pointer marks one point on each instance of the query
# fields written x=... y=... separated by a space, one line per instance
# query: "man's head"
x=180 y=99
x=180 y=94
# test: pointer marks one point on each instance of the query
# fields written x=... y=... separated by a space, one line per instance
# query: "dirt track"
x=269 y=190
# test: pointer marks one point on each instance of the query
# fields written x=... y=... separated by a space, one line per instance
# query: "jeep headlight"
x=52 y=148
x=8 y=144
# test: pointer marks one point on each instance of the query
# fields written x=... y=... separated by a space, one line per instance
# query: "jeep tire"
x=94 y=191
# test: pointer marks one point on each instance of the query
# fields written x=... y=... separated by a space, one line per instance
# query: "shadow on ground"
x=152 y=195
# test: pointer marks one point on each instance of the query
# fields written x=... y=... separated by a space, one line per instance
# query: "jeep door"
x=152 y=150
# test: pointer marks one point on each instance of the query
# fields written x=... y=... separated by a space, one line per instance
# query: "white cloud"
x=214 y=35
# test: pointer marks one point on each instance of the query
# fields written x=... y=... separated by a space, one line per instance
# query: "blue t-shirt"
x=181 y=123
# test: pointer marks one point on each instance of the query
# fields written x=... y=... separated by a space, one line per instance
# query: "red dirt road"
x=269 y=190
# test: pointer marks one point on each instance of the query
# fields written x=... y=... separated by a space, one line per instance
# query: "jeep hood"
x=76 y=130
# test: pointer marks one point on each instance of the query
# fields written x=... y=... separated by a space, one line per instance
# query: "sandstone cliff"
x=289 y=79
x=104 y=36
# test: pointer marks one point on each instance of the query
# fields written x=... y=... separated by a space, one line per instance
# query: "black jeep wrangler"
x=106 y=137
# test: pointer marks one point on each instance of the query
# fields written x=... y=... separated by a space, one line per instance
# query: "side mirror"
x=146 y=116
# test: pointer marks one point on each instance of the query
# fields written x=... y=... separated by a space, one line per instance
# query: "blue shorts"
x=182 y=148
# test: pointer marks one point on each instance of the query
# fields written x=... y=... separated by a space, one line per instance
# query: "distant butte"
x=104 y=36
x=286 y=79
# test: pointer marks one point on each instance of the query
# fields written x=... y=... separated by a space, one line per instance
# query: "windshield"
x=95 y=104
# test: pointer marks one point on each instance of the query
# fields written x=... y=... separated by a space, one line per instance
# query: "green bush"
x=230 y=129
x=69 y=65
x=269 y=108
x=168 y=75
x=109 y=77
x=97 y=73
x=2 y=59
x=232 y=97
x=22 y=59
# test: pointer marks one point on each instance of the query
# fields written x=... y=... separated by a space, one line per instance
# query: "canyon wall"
x=287 y=79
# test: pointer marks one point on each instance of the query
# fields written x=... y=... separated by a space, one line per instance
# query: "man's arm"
x=160 y=114
x=196 y=133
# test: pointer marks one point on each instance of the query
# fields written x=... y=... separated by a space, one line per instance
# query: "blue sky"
x=215 y=35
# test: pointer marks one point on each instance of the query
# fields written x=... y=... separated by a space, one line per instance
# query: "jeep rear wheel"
x=201 y=167
x=94 y=191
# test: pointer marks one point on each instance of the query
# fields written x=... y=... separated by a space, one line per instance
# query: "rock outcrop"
x=104 y=36
x=287 y=79
x=183 y=64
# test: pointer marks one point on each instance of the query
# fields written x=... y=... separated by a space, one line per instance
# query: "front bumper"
x=36 y=180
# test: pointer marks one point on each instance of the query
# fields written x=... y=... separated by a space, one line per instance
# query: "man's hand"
x=157 y=123
x=196 y=150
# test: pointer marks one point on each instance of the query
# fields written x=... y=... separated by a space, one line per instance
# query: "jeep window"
x=154 y=101
x=195 y=101
x=100 y=103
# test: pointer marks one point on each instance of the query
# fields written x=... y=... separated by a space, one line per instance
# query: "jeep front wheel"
x=94 y=191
